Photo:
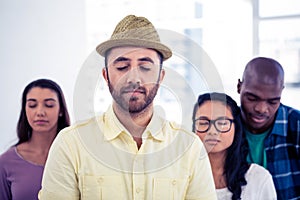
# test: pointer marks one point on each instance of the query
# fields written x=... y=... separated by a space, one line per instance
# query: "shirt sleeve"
x=60 y=178
x=201 y=182
x=5 y=192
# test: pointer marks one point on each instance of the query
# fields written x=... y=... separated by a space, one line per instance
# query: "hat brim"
x=109 y=44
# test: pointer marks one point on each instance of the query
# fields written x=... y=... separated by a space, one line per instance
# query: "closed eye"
x=122 y=68
x=145 y=68
x=32 y=106
x=273 y=102
x=252 y=98
x=223 y=123
x=49 y=105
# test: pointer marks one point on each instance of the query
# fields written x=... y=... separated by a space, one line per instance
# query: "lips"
x=40 y=122
x=134 y=91
x=212 y=141
x=258 y=118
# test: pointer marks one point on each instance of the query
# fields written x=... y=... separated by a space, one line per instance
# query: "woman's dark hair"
x=236 y=165
x=24 y=130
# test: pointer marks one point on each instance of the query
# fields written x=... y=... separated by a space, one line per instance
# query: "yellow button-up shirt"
x=99 y=159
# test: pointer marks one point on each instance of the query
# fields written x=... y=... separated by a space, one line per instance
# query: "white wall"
x=39 y=38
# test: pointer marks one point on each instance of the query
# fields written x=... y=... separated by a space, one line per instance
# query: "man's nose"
x=133 y=76
x=261 y=107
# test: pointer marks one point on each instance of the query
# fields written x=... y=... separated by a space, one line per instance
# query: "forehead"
x=213 y=109
x=262 y=90
x=41 y=93
x=132 y=53
x=264 y=71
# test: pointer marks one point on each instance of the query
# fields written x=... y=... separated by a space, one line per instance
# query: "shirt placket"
x=138 y=178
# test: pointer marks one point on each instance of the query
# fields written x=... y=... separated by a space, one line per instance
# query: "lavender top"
x=19 y=179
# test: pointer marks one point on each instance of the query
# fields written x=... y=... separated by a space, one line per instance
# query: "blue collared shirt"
x=283 y=153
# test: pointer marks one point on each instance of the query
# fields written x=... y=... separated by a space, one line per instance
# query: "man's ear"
x=239 y=85
x=162 y=75
x=104 y=74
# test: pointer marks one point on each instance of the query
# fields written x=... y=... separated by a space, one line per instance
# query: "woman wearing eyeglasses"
x=216 y=120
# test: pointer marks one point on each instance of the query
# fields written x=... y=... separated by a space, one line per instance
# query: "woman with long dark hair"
x=216 y=120
x=43 y=114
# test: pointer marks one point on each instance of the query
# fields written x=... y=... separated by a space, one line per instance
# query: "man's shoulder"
x=185 y=139
x=181 y=129
x=288 y=114
x=285 y=109
x=83 y=126
x=287 y=122
x=181 y=134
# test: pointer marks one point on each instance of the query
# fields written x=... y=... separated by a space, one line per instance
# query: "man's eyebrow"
x=120 y=59
x=274 y=99
x=251 y=94
x=257 y=97
x=147 y=59
x=124 y=59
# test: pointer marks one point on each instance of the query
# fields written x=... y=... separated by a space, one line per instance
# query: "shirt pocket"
x=101 y=187
x=169 y=189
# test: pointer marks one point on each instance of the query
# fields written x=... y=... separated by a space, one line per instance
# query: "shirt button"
x=138 y=190
x=100 y=180
x=174 y=182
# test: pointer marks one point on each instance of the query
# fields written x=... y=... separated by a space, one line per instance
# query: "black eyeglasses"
x=221 y=124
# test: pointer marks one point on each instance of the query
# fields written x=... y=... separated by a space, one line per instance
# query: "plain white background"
x=39 y=39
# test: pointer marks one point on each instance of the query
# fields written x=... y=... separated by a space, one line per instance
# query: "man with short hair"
x=129 y=152
x=271 y=128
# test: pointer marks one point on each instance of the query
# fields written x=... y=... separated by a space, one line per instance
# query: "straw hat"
x=135 y=31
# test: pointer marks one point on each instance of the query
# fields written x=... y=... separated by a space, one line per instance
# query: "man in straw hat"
x=129 y=152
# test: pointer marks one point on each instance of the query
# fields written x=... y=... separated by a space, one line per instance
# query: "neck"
x=135 y=123
x=36 y=149
x=41 y=141
x=217 y=162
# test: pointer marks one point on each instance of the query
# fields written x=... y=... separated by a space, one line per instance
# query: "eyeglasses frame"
x=214 y=123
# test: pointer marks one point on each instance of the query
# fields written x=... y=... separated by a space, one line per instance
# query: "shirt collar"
x=156 y=126
x=113 y=127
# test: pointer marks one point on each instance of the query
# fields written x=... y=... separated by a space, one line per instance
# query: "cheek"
x=55 y=113
x=231 y=140
x=52 y=113
x=274 y=109
x=118 y=80
x=114 y=74
x=29 y=116
x=113 y=78
x=247 y=106
x=201 y=136
x=29 y=113
x=230 y=137
x=152 y=78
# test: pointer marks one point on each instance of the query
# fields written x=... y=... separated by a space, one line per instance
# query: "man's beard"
x=133 y=105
